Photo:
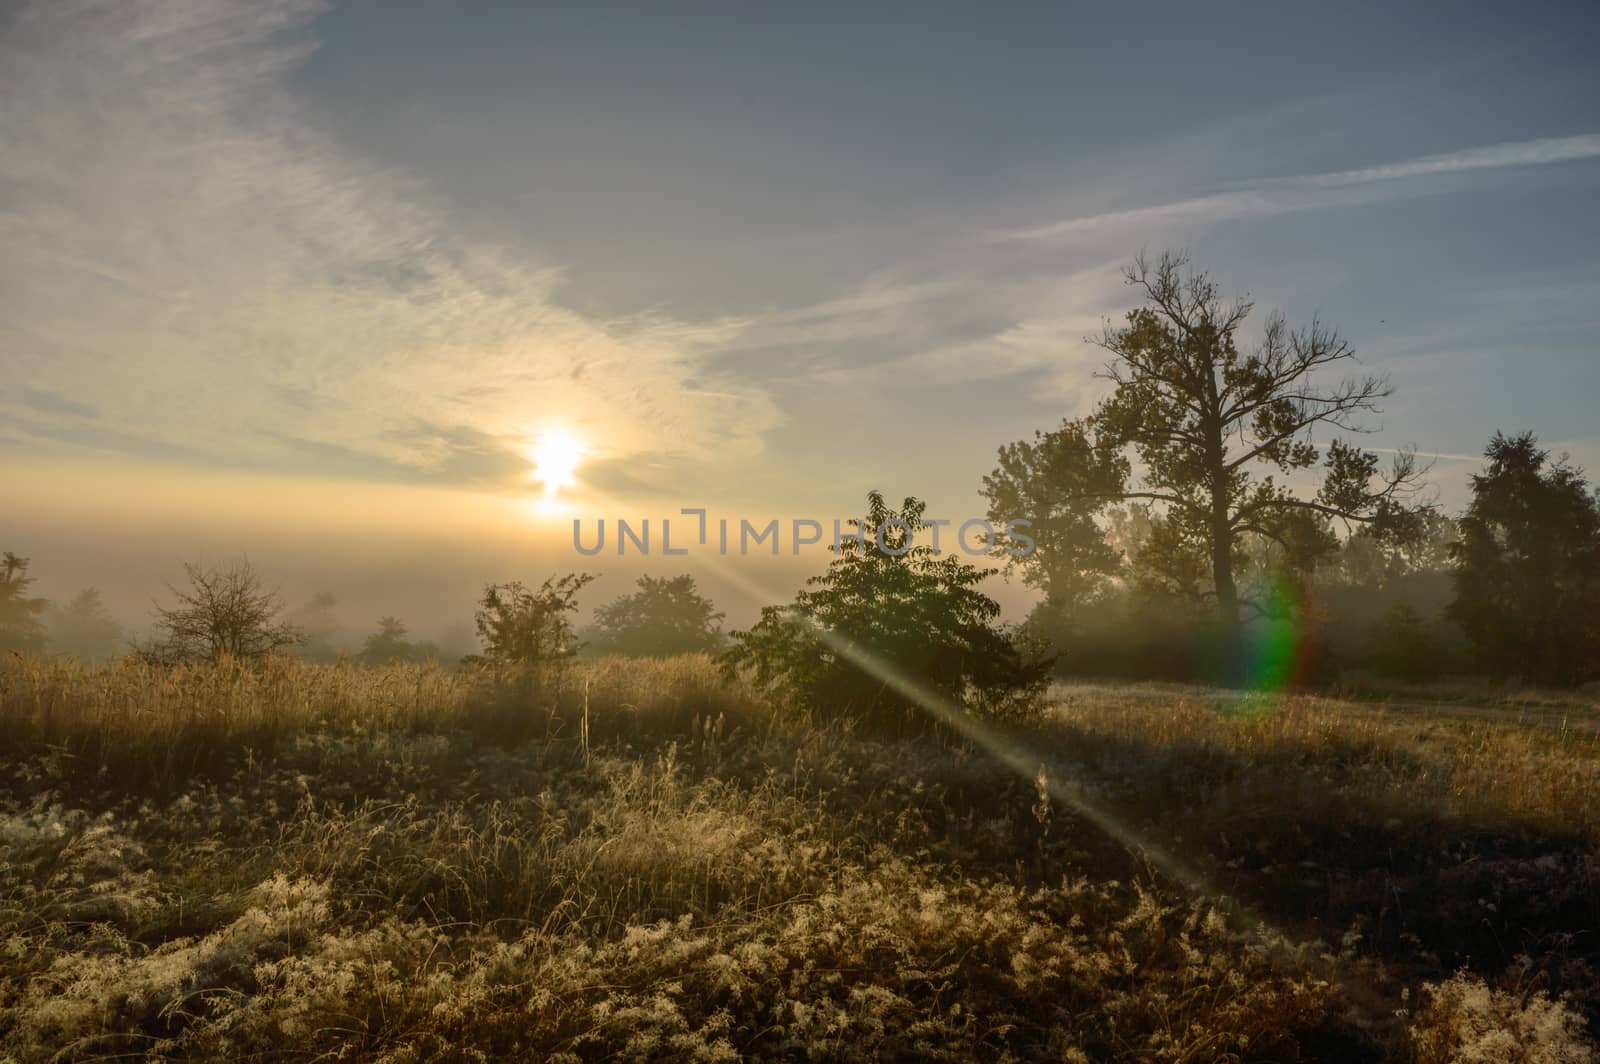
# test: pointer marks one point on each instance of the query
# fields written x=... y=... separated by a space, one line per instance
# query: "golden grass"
x=1536 y=774
x=132 y=721
x=639 y=860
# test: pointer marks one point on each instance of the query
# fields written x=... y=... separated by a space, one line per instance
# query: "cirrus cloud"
x=211 y=277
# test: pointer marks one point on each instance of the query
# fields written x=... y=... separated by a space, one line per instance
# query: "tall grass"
x=639 y=860
x=130 y=722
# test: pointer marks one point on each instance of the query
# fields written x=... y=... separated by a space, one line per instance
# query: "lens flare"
x=1277 y=652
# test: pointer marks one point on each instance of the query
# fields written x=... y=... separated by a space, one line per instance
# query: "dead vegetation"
x=637 y=860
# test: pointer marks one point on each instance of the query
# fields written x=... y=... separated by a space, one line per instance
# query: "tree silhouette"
x=390 y=643
x=1213 y=426
x=83 y=628
x=20 y=613
x=224 y=611
x=665 y=616
x=520 y=626
x=320 y=626
x=1528 y=566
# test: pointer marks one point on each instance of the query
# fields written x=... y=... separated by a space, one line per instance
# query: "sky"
x=306 y=281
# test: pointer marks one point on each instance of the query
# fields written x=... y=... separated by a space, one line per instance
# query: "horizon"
x=308 y=283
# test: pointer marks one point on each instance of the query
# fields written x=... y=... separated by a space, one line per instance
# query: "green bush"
x=520 y=626
x=665 y=617
x=894 y=634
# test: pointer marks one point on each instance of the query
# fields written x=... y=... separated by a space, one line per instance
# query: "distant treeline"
x=1509 y=589
x=231 y=610
x=1211 y=520
x=1177 y=537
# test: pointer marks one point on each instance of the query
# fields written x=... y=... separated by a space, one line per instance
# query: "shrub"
x=1465 y=1020
x=520 y=626
x=666 y=616
x=226 y=612
x=888 y=610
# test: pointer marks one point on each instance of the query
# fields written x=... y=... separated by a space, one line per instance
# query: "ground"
x=406 y=863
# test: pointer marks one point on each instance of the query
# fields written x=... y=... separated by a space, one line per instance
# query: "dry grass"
x=143 y=725
x=639 y=861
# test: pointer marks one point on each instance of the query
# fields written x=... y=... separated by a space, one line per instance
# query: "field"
x=407 y=863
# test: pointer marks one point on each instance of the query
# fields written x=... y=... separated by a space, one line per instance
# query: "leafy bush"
x=523 y=627
x=892 y=633
x=666 y=616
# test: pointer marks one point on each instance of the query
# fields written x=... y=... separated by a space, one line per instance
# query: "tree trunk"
x=1231 y=642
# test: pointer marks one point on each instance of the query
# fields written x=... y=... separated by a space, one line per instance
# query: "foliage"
x=1058 y=481
x=21 y=628
x=1528 y=577
x=389 y=643
x=892 y=634
x=1214 y=426
x=519 y=626
x=664 y=617
x=83 y=628
x=1379 y=563
x=224 y=611
x=1405 y=646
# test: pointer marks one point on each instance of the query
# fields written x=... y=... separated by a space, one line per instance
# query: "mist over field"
x=803 y=532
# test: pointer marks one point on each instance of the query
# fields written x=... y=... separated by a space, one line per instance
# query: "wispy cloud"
x=1445 y=455
x=1047 y=286
x=1311 y=191
x=1493 y=157
x=206 y=272
x=1215 y=207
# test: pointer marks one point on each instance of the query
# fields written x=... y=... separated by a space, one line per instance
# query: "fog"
x=422 y=554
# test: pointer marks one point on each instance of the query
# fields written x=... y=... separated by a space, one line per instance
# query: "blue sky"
x=759 y=256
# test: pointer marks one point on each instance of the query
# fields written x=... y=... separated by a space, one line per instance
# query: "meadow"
x=645 y=860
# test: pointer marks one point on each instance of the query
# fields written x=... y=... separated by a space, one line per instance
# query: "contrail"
x=1278 y=195
x=1446 y=455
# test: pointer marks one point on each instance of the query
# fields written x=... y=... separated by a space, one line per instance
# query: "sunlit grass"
x=639 y=859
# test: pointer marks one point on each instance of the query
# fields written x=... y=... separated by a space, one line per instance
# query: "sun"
x=556 y=454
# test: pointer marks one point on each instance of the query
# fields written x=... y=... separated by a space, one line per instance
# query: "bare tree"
x=223 y=611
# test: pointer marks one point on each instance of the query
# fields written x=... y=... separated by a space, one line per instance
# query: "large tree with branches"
x=1214 y=427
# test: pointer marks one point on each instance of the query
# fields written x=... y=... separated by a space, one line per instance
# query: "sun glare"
x=555 y=460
